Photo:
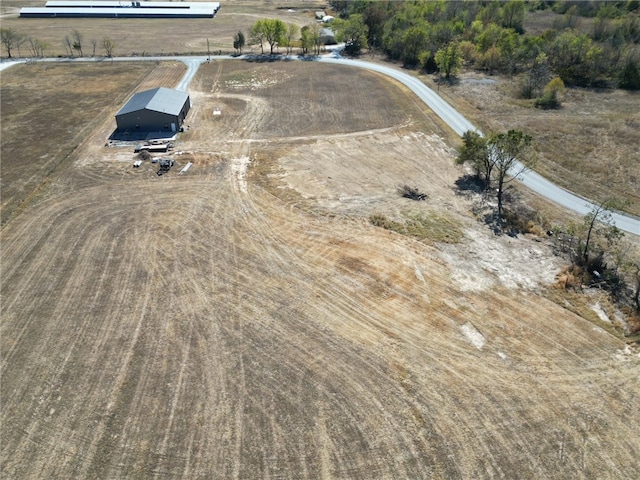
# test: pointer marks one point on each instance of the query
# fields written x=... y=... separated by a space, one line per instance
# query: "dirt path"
x=244 y=320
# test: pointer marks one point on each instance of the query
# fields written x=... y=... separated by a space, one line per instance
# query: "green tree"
x=37 y=47
x=11 y=39
x=475 y=151
x=468 y=51
x=490 y=12
x=257 y=35
x=306 y=39
x=512 y=15
x=289 y=35
x=538 y=75
x=239 y=41
x=509 y=48
x=629 y=77
x=310 y=38
x=268 y=30
x=598 y=228
x=570 y=55
x=549 y=99
x=511 y=154
x=449 y=60
x=491 y=60
x=405 y=16
x=415 y=41
x=488 y=37
x=353 y=32
x=374 y=16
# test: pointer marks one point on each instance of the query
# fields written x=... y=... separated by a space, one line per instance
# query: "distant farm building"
x=157 y=110
x=127 y=9
x=327 y=36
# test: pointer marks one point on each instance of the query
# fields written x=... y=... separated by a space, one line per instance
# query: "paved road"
x=457 y=122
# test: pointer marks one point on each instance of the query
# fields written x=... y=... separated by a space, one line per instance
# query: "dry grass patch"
x=294 y=99
x=141 y=36
x=430 y=227
x=589 y=146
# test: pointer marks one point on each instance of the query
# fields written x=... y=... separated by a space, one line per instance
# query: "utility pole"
x=208 y=52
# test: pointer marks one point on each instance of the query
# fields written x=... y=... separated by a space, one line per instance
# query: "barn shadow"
x=141 y=136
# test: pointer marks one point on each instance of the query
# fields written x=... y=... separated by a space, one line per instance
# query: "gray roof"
x=123 y=9
x=164 y=100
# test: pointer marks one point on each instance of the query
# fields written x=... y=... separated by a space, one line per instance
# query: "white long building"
x=127 y=9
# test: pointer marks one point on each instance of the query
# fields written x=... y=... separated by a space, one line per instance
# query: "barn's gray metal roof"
x=164 y=100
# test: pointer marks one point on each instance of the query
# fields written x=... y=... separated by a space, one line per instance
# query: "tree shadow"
x=468 y=185
x=517 y=217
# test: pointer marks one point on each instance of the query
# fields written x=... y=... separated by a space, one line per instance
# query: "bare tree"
x=37 y=47
x=11 y=39
x=628 y=261
x=316 y=30
x=76 y=42
x=108 y=46
x=94 y=44
x=68 y=45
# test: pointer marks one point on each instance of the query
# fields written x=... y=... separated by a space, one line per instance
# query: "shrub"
x=548 y=101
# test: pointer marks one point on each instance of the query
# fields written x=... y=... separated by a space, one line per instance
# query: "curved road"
x=457 y=122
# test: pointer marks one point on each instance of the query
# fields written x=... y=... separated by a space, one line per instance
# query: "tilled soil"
x=245 y=320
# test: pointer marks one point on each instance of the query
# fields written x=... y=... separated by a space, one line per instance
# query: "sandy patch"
x=239 y=171
x=485 y=260
x=472 y=334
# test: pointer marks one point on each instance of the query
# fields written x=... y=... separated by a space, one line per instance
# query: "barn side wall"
x=147 y=121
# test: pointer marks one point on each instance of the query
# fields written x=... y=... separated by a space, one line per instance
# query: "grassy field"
x=246 y=320
x=589 y=146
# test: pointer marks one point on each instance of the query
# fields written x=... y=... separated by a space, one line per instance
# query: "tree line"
x=275 y=33
x=490 y=36
x=74 y=44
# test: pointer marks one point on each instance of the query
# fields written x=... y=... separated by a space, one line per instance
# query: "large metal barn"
x=157 y=110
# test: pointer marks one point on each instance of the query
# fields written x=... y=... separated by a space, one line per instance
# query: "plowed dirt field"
x=246 y=320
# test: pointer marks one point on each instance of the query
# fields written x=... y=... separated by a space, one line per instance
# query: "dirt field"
x=245 y=320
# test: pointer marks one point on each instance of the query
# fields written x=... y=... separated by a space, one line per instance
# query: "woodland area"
x=584 y=43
